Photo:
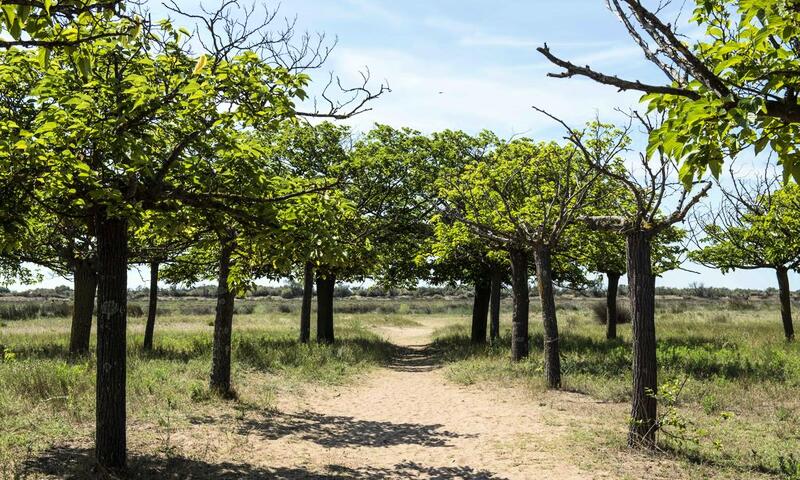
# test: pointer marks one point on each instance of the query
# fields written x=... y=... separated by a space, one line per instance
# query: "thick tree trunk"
x=519 y=319
x=325 y=285
x=494 y=307
x=112 y=295
x=786 y=302
x=480 y=311
x=223 y=325
x=544 y=279
x=641 y=285
x=85 y=285
x=305 y=308
x=151 y=308
x=611 y=305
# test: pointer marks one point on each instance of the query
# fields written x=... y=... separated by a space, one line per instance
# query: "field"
x=730 y=396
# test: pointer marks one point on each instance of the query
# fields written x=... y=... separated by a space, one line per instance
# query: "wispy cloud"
x=430 y=94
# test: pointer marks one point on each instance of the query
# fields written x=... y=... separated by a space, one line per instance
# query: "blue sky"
x=473 y=64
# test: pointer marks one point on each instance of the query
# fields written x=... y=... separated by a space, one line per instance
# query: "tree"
x=314 y=152
x=452 y=258
x=757 y=225
x=375 y=230
x=453 y=255
x=523 y=198
x=65 y=23
x=120 y=135
x=734 y=87
x=640 y=227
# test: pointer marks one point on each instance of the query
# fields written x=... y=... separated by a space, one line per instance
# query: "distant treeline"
x=295 y=290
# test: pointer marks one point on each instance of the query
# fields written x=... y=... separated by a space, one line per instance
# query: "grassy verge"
x=737 y=382
x=47 y=397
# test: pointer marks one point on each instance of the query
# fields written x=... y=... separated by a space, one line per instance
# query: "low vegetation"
x=734 y=383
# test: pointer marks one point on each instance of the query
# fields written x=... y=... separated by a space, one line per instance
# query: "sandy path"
x=407 y=421
x=404 y=421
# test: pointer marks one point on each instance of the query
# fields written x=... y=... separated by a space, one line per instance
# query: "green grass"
x=741 y=397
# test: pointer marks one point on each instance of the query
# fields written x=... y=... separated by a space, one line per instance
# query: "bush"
x=244 y=309
x=285 y=308
x=135 y=310
x=599 y=309
x=19 y=311
x=55 y=309
x=197 y=309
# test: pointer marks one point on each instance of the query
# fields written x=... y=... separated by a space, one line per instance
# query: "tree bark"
x=85 y=286
x=480 y=311
x=223 y=325
x=641 y=287
x=325 y=285
x=112 y=294
x=519 y=319
x=494 y=306
x=305 y=309
x=151 y=308
x=611 y=305
x=544 y=279
x=786 y=302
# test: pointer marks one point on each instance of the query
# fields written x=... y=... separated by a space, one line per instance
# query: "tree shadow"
x=335 y=431
x=75 y=463
x=415 y=358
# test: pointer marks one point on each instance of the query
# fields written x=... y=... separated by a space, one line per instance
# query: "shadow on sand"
x=77 y=463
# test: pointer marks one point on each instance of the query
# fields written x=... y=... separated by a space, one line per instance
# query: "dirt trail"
x=408 y=421
x=404 y=421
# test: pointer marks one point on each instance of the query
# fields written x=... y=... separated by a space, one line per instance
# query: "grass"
x=740 y=402
x=47 y=397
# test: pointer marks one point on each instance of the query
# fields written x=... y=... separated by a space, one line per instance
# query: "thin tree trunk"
x=325 y=285
x=641 y=287
x=544 y=279
x=305 y=309
x=85 y=286
x=611 y=305
x=519 y=319
x=494 y=307
x=223 y=325
x=786 y=302
x=151 y=308
x=112 y=295
x=480 y=311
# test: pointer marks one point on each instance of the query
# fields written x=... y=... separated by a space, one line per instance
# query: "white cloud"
x=431 y=94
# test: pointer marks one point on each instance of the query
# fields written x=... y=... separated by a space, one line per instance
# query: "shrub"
x=19 y=311
x=599 y=309
x=197 y=309
x=135 y=310
x=285 y=308
x=56 y=309
x=244 y=309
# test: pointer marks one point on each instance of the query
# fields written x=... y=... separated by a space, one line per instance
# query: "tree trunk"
x=112 y=294
x=544 y=279
x=305 y=309
x=151 y=308
x=480 y=311
x=85 y=285
x=494 y=307
x=786 y=302
x=611 y=305
x=519 y=319
x=641 y=287
x=223 y=325
x=325 y=285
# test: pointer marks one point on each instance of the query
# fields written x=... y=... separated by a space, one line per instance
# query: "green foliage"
x=765 y=234
x=750 y=47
